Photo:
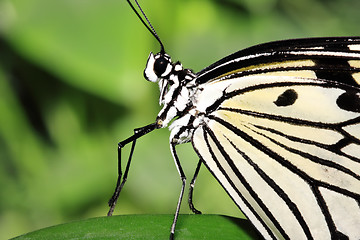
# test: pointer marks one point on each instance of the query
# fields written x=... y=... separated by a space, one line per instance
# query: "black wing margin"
x=335 y=59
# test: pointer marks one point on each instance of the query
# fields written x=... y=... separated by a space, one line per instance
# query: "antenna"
x=151 y=28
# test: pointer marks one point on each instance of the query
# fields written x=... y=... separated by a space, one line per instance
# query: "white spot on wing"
x=295 y=73
x=314 y=48
x=354 y=47
x=326 y=53
x=354 y=63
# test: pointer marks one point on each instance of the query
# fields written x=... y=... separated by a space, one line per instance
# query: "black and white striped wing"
x=285 y=143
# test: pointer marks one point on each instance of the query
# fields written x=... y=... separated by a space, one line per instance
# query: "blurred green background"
x=71 y=87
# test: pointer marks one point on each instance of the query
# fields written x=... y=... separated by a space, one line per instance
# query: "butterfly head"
x=174 y=85
x=158 y=66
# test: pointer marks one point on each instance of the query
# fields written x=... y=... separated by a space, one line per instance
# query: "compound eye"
x=160 y=66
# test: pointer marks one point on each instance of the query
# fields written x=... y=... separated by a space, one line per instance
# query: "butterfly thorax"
x=178 y=92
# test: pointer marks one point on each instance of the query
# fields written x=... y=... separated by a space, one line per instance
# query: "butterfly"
x=277 y=124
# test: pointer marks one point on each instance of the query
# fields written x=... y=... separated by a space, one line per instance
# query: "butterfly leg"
x=183 y=180
x=191 y=190
x=138 y=132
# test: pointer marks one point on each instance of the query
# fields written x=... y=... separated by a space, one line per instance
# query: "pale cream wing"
x=288 y=154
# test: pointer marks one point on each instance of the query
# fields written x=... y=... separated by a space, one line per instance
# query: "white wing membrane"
x=300 y=152
x=238 y=190
x=314 y=104
x=278 y=219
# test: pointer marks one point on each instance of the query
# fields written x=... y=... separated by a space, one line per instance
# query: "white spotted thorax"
x=177 y=96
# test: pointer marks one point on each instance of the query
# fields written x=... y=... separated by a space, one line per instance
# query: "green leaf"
x=149 y=227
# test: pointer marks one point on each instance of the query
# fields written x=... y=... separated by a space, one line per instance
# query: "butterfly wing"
x=333 y=59
x=284 y=143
